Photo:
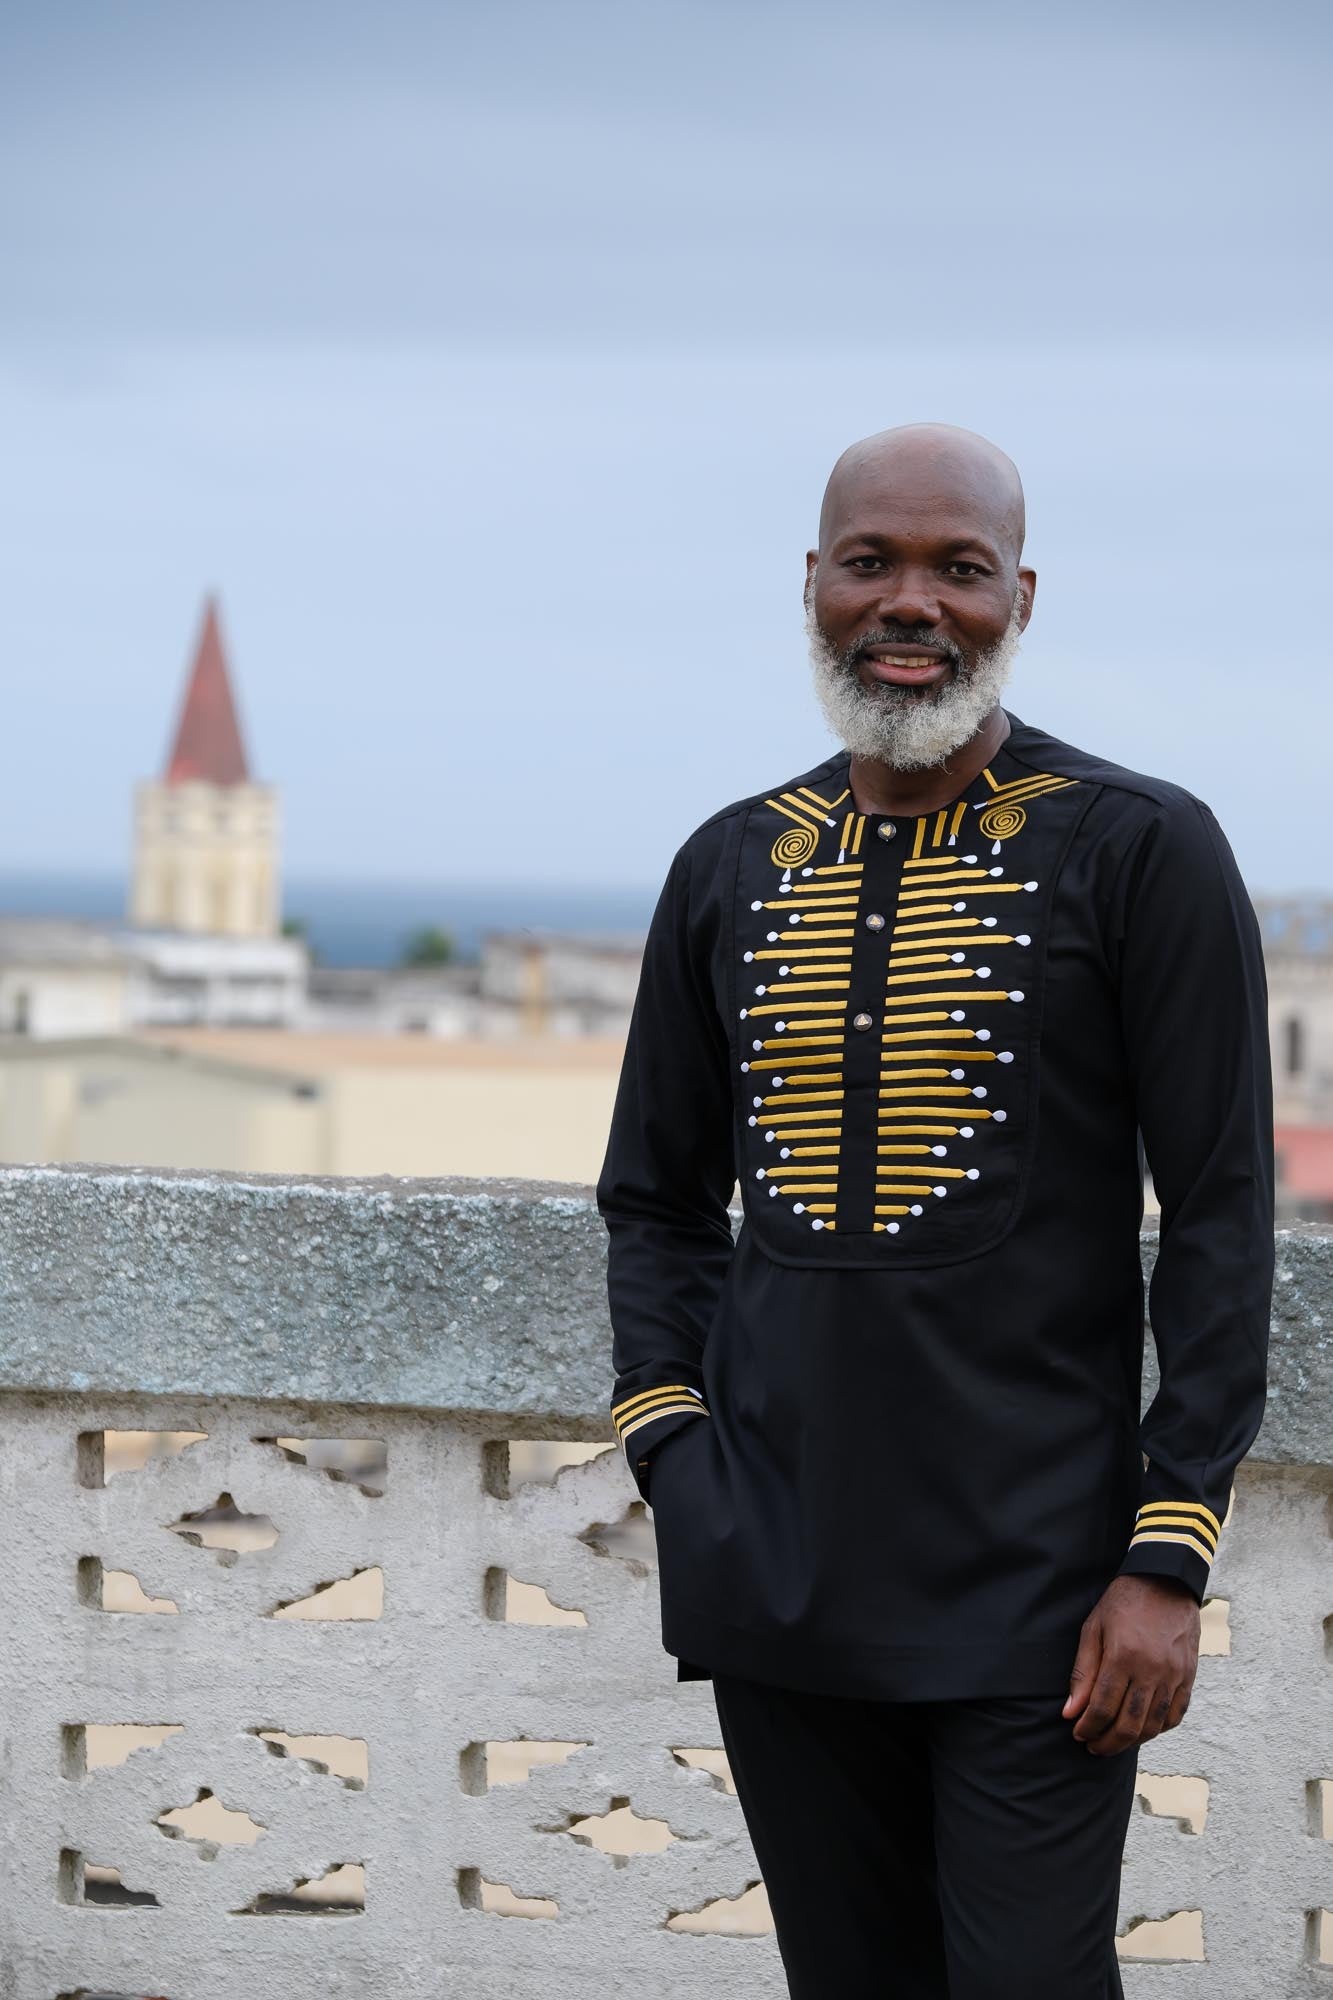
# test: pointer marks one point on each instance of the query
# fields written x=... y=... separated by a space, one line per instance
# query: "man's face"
x=915 y=601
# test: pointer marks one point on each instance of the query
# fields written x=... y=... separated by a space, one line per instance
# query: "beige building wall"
x=537 y=1124
x=538 y=1107
x=202 y=1121
x=38 y=1101
x=123 y=1104
x=256 y=1101
x=206 y=858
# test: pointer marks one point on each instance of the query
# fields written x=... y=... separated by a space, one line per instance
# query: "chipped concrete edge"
x=482 y=1297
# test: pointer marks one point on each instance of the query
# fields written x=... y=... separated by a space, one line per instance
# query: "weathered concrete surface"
x=1260 y=1730
x=473 y=1296
x=466 y=1295
x=425 y=1685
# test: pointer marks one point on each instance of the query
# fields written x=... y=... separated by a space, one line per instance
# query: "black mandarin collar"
x=1003 y=769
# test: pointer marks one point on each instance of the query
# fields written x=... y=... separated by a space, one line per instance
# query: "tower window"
x=1293 y=1030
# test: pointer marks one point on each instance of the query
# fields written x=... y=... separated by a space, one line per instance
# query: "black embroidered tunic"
x=890 y=1434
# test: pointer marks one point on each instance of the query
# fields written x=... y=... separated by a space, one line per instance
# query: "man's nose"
x=909 y=598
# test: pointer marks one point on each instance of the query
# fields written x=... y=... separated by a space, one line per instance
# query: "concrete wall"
x=538 y=1805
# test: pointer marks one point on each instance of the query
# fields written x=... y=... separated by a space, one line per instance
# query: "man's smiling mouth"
x=908 y=666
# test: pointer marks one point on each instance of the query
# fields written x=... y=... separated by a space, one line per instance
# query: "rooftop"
x=60 y=941
x=311 y=1053
x=208 y=744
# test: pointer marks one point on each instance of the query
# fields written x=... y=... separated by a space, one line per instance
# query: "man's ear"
x=1027 y=588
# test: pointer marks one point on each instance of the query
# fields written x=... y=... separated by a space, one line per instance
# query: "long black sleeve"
x=1194 y=1009
x=665 y=1183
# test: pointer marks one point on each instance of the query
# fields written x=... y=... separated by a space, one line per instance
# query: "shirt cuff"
x=1174 y=1538
x=644 y=1420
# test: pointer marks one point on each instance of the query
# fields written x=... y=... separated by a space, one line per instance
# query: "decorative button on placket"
x=863 y=1020
x=886 y=829
x=874 y=922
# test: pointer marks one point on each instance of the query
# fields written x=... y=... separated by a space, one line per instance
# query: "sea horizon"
x=363 y=923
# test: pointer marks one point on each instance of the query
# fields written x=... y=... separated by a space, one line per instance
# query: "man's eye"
x=867 y=562
x=970 y=568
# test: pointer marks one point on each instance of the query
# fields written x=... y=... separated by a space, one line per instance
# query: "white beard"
x=909 y=728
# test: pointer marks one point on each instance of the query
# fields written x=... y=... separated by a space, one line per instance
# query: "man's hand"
x=1137 y=1657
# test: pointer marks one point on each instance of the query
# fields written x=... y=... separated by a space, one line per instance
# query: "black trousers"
x=951 y=1850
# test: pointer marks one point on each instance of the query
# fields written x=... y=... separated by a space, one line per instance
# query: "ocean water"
x=367 y=923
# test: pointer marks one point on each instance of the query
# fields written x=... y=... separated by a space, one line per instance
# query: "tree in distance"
x=428 y=946
x=297 y=927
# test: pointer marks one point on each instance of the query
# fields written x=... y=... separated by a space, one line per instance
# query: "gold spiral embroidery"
x=998 y=822
x=794 y=846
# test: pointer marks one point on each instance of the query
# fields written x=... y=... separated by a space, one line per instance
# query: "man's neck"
x=878 y=787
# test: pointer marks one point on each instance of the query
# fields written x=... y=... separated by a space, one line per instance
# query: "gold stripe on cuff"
x=1182 y=1507
x=671 y=1409
x=630 y=1404
x=1170 y=1518
x=1188 y=1541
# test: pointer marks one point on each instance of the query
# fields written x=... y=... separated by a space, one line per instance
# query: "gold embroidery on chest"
x=797 y=1040
x=998 y=822
x=938 y=1058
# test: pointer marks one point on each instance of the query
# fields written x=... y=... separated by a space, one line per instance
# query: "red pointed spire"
x=208 y=736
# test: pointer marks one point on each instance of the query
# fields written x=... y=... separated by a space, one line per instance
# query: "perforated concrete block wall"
x=388 y=1772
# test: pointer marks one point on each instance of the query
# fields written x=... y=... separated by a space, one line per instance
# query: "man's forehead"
x=896 y=508
x=925 y=480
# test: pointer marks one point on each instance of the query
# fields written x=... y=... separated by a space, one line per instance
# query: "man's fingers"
x=1122 y=1731
x=1145 y=1712
x=1174 y=1701
x=1083 y=1675
x=1123 y=1710
x=1103 y=1704
x=1124 y=1727
x=1157 y=1714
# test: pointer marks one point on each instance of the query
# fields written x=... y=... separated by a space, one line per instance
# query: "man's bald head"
x=935 y=466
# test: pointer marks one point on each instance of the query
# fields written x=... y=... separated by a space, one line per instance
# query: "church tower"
x=206 y=836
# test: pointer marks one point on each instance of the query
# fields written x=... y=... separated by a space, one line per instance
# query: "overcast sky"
x=489 y=362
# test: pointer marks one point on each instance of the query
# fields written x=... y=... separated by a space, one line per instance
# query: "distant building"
x=60 y=978
x=442 y=1001
x=202 y=947
x=1298 y=957
x=561 y=983
x=181 y=980
x=206 y=835
x=525 y=983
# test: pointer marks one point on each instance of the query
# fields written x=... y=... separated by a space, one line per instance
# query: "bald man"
x=933 y=1002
